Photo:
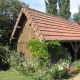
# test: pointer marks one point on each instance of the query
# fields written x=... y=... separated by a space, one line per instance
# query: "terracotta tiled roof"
x=50 y=27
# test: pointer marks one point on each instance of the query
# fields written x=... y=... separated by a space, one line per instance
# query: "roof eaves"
x=15 y=27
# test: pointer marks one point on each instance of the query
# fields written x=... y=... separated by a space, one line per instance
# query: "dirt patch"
x=76 y=77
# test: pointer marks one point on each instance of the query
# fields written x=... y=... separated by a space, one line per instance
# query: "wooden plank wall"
x=26 y=34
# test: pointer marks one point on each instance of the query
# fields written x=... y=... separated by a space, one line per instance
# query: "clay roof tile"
x=50 y=27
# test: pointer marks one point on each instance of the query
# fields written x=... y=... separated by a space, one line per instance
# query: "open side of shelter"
x=44 y=27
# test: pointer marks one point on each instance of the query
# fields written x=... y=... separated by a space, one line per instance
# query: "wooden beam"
x=75 y=53
x=72 y=46
x=78 y=46
x=14 y=38
x=19 y=27
x=75 y=49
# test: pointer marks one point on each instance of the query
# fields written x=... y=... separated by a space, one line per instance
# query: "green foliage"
x=12 y=75
x=64 y=10
x=58 y=7
x=9 y=10
x=33 y=70
x=14 y=60
x=38 y=49
x=51 y=6
x=54 y=71
x=4 y=55
x=23 y=65
x=67 y=54
x=41 y=49
x=63 y=61
x=77 y=64
x=76 y=16
x=56 y=49
x=61 y=69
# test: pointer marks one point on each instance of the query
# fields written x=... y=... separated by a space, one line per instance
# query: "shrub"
x=14 y=60
x=40 y=49
x=62 y=69
x=43 y=73
x=74 y=70
x=55 y=71
x=23 y=65
x=75 y=67
x=77 y=64
x=41 y=68
x=4 y=55
x=34 y=69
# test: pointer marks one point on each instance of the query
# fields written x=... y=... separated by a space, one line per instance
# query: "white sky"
x=40 y=5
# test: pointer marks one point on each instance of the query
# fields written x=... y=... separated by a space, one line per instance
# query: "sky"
x=40 y=5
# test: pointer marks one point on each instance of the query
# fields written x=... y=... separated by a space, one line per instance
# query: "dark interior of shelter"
x=69 y=49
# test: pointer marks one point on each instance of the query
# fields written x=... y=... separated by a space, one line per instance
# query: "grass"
x=14 y=75
x=11 y=75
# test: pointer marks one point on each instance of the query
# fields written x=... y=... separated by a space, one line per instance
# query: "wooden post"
x=75 y=48
x=75 y=53
x=78 y=46
x=72 y=46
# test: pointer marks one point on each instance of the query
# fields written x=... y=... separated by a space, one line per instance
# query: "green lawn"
x=14 y=75
x=11 y=75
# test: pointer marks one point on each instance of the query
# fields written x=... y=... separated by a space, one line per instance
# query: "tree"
x=64 y=10
x=76 y=16
x=9 y=10
x=51 y=6
x=58 y=7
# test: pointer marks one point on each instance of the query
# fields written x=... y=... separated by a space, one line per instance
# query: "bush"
x=14 y=60
x=38 y=70
x=44 y=50
x=32 y=69
x=77 y=64
x=4 y=55
x=35 y=70
x=41 y=68
x=73 y=70
x=55 y=71
x=23 y=65
x=61 y=69
x=75 y=67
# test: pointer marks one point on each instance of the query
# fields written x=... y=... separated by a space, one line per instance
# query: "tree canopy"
x=51 y=6
x=58 y=7
x=9 y=10
x=76 y=16
x=64 y=10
